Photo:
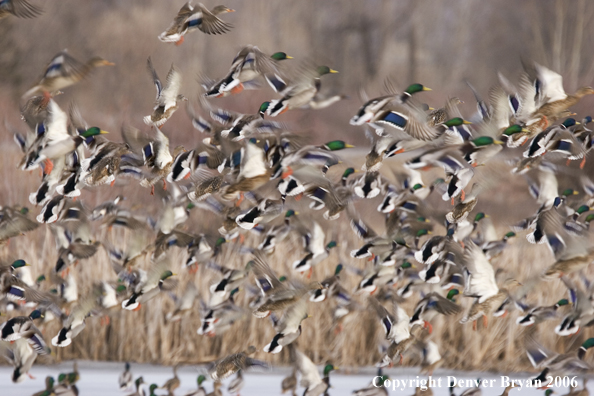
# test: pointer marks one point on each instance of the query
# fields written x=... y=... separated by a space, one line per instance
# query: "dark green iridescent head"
x=24 y=210
x=36 y=314
x=452 y=293
x=422 y=232
x=338 y=269
x=280 y=56
x=325 y=70
x=582 y=209
x=329 y=368
x=166 y=274
x=589 y=218
x=201 y=379
x=220 y=241
x=92 y=131
x=253 y=141
x=406 y=265
x=290 y=213
x=589 y=343
x=417 y=186
x=562 y=302
x=484 y=141
x=19 y=264
x=416 y=88
x=336 y=145
x=282 y=278
x=587 y=120
x=569 y=122
x=513 y=129
x=331 y=245
x=509 y=235
x=568 y=192
x=152 y=389
x=549 y=392
x=263 y=108
x=347 y=172
x=457 y=121
x=40 y=279
x=479 y=216
x=120 y=289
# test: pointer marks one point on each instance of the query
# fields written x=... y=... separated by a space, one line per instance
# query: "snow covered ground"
x=100 y=379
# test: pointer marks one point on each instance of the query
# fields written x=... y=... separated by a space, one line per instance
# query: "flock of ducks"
x=250 y=171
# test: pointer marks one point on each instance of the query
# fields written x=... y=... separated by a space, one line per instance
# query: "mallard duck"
x=231 y=364
x=288 y=327
x=183 y=304
x=253 y=172
x=21 y=327
x=173 y=383
x=74 y=323
x=375 y=388
x=104 y=163
x=481 y=285
x=553 y=364
x=239 y=126
x=436 y=303
x=266 y=211
x=310 y=378
x=150 y=287
x=232 y=279
x=582 y=313
x=316 y=247
x=138 y=382
x=19 y=8
x=236 y=384
x=331 y=286
x=200 y=391
x=168 y=97
x=277 y=295
x=217 y=320
x=126 y=379
x=396 y=327
x=14 y=222
x=49 y=387
x=64 y=71
x=71 y=378
x=368 y=111
x=464 y=206
x=190 y=18
x=277 y=234
x=441 y=115
x=301 y=94
x=539 y=314
x=289 y=383
x=249 y=64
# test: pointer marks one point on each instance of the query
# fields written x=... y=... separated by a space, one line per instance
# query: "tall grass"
x=145 y=336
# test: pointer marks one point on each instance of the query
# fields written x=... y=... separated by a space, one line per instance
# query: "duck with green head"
x=22 y=327
x=368 y=111
x=249 y=64
x=331 y=286
x=535 y=315
x=148 y=289
x=200 y=391
x=303 y=93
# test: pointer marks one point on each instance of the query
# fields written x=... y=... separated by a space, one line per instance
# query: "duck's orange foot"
x=309 y=272
x=401 y=359
x=287 y=173
x=452 y=201
x=152 y=190
x=48 y=166
x=30 y=376
x=137 y=308
x=428 y=326
x=237 y=89
x=474 y=325
x=583 y=163
x=164 y=185
x=485 y=321
x=463 y=195
x=240 y=200
x=298 y=197
x=180 y=41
